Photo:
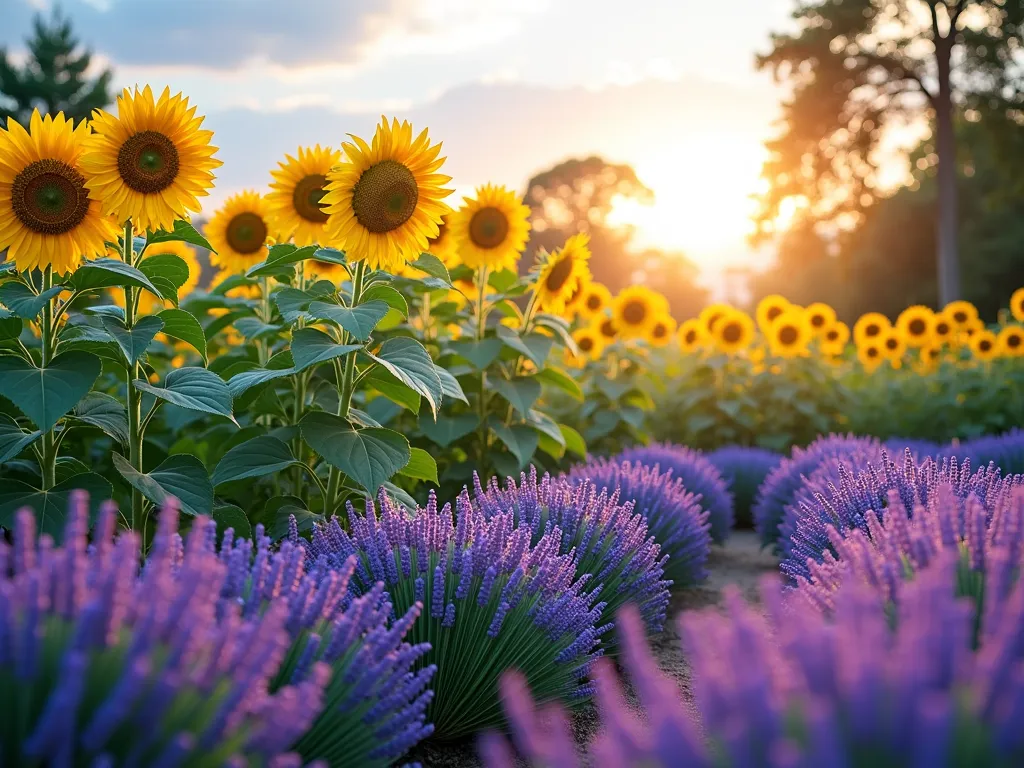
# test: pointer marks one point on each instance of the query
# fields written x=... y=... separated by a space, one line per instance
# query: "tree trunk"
x=947 y=222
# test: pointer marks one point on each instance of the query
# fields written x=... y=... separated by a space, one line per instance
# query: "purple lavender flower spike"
x=491 y=602
x=1005 y=451
x=744 y=469
x=700 y=477
x=779 y=487
x=674 y=516
x=111 y=658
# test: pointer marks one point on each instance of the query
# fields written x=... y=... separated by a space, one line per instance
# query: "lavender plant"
x=605 y=539
x=491 y=602
x=104 y=664
x=744 y=470
x=699 y=477
x=797 y=689
x=844 y=506
x=674 y=516
x=1005 y=451
x=779 y=487
x=375 y=701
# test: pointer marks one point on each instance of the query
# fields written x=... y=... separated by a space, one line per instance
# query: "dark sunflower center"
x=586 y=344
x=872 y=352
x=942 y=328
x=872 y=330
x=385 y=196
x=691 y=336
x=788 y=335
x=832 y=335
x=891 y=344
x=148 y=162
x=307 y=195
x=772 y=313
x=818 y=321
x=593 y=302
x=660 y=331
x=713 y=320
x=49 y=197
x=246 y=233
x=1013 y=341
x=917 y=327
x=558 y=275
x=488 y=228
x=634 y=312
x=732 y=333
x=608 y=329
x=960 y=317
x=984 y=345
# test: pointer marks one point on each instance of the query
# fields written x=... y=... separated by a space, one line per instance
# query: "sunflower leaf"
x=13 y=439
x=359 y=321
x=183 y=232
x=370 y=457
x=194 y=388
x=134 y=341
x=51 y=506
x=47 y=394
x=17 y=297
x=181 y=476
x=410 y=363
x=429 y=263
x=179 y=324
x=109 y=273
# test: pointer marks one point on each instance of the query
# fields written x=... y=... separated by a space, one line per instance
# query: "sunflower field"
x=377 y=487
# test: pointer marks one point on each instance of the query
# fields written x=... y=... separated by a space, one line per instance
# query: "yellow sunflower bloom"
x=47 y=217
x=692 y=335
x=595 y=297
x=238 y=232
x=733 y=331
x=960 y=313
x=870 y=327
x=606 y=328
x=790 y=334
x=712 y=314
x=833 y=341
x=917 y=325
x=151 y=162
x=1017 y=305
x=870 y=355
x=443 y=244
x=769 y=308
x=492 y=228
x=662 y=331
x=984 y=345
x=636 y=309
x=894 y=345
x=386 y=199
x=821 y=317
x=943 y=329
x=1010 y=341
x=560 y=274
x=930 y=355
x=574 y=304
x=295 y=200
x=590 y=343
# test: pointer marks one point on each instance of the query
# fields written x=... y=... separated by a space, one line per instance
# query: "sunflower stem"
x=135 y=427
x=347 y=383
x=48 y=465
x=481 y=327
x=300 y=398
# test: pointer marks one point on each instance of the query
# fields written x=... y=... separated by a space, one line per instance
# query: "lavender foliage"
x=104 y=663
x=605 y=539
x=674 y=516
x=782 y=483
x=844 y=506
x=1005 y=451
x=795 y=689
x=491 y=601
x=377 y=698
x=700 y=477
x=744 y=470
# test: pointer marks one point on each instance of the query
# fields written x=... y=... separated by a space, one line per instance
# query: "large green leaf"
x=447 y=429
x=393 y=389
x=450 y=385
x=181 y=476
x=98 y=409
x=194 y=388
x=293 y=303
x=433 y=266
x=574 y=441
x=179 y=324
x=389 y=296
x=11 y=325
x=17 y=297
x=51 y=507
x=359 y=321
x=108 y=273
x=136 y=341
x=13 y=439
x=533 y=345
x=421 y=466
x=47 y=394
x=522 y=392
x=370 y=457
x=408 y=361
x=312 y=347
x=480 y=353
x=183 y=233
x=280 y=256
x=520 y=439
x=559 y=379
x=246 y=380
x=168 y=272
x=252 y=328
x=229 y=516
x=254 y=458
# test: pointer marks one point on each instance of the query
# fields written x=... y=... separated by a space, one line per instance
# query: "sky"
x=511 y=87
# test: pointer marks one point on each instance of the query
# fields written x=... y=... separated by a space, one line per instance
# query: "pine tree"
x=53 y=78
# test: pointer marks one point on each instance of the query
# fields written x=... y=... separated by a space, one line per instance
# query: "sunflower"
x=662 y=330
x=1017 y=305
x=151 y=162
x=47 y=217
x=238 y=232
x=894 y=345
x=560 y=274
x=769 y=308
x=917 y=324
x=960 y=313
x=930 y=354
x=574 y=302
x=442 y=244
x=636 y=309
x=150 y=304
x=385 y=200
x=692 y=335
x=733 y=331
x=295 y=201
x=491 y=229
x=833 y=341
x=1011 y=341
x=606 y=328
x=712 y=314
x=593 y=300
x=869 y=327
x=821 y=317
x=590 y=343
x=870 y=355
x=790 y=333
x=984 y=345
